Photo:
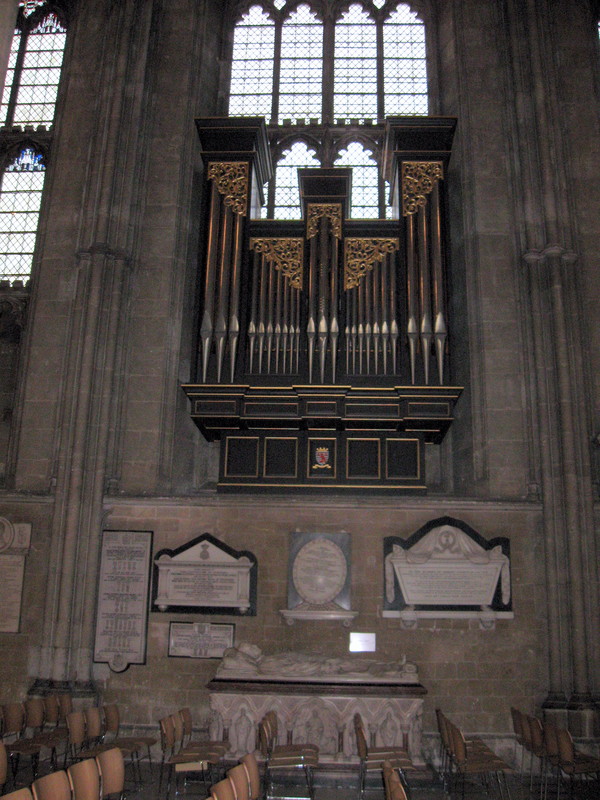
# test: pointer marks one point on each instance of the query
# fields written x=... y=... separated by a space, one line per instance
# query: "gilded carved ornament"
x=360 y=255
x=286 y=254
x=333 y=211
x=418 y=180
x=231 y=180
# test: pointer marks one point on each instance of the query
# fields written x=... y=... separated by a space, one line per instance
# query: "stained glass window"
x=355 y=82
x=20 y=198
x=29 y=99
x=287 y=195
x=34 y=68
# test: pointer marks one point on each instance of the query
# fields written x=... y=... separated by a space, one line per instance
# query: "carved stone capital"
x=286 y=254
x=418 y=181
x=361 y=254
x=231 y=180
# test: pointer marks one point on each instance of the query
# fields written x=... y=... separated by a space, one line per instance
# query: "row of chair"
x=280 y=758
x=373 y=758
x=90 y=779
x=472 y=759
x=241 y=782
x=181 y=755
x=553 y=748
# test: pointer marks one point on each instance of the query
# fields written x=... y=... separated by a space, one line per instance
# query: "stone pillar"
x=100 y=279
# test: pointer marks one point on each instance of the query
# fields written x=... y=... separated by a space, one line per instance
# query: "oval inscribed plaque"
x=319 y=571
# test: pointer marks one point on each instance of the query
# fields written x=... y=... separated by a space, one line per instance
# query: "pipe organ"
x=323 y=342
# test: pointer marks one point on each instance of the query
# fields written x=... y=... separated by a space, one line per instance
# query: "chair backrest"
x=250 y=764
x=517 y=724
x=238 y=776
x=19 y=794
x=84 y=778
x=65 y=704
x=361 y=740
x=54 y=786
x=551 y=741
x=177 y=729
x=186 y=718
x=112 y=771
x=14 y=719
x=537 y=736
x=3 y=766
x=459 y=746
x=167 y=734
x=35 y=713
x=566 y=748
x=264 y=738
x=394 y=789
x=51 y=709
x=93 y=724
x=76 y=728
x=112 y=719
x=223 y=790
x=526 y=730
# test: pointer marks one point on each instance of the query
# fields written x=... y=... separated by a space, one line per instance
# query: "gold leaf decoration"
x=361 y=254
x=333 y=211
x=418 y=180
x=231 y=180
x=286 y=254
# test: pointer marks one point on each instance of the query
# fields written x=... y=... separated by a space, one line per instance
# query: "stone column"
x=109 y=216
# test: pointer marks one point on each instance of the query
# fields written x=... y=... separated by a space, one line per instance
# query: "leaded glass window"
x=34 y=68
x=355 y=82
x=287 y=194
x=252 y=65
x=326 y=69
x=365 y=186
x=404 y=65
x=301 y=66
x=20 y=199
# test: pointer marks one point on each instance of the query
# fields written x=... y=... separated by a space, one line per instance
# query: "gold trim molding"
x=231 y=180
x=286 y=254
x=360 y=255
x=418 y=180
x=333 y=212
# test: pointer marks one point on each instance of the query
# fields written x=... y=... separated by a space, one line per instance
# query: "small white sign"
x=362 y=643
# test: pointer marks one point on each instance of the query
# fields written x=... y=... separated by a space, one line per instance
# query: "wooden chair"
x=35 y=717
x=17 y=745
x=477 y=762
x=78 y=747
x=372 y=758
x=84 y=779
x=179 y=762
x=238 y=776
x=394 y=787
x=137 y=744
x=250 y=764
x=19 y=794
x=54 y=786
x=279 y=760
x=3 y=767
x=188 y=727
x=111 y=767
x=223 y=790
x=577 y=765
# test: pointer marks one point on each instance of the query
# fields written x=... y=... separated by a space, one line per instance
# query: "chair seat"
x=290 y=760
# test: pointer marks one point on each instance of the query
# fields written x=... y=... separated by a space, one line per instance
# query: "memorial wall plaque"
x=14 y=544
x=205 y=576
x=447 y=570
x=319 y=578
x=199 y=639
x=123 y=594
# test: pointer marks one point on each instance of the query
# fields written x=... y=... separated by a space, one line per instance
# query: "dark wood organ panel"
x=323 y=342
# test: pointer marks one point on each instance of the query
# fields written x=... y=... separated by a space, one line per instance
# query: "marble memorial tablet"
x=199 y=639
x=123 y=589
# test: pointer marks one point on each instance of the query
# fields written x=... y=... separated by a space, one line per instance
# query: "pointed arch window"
x=20 y=198
x=28 y=100
x=365 y=186
x=325 y=71
x=287 y=194
x=34 y=67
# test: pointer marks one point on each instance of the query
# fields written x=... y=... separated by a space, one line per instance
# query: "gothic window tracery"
x=329 y=70
x=28 y=102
